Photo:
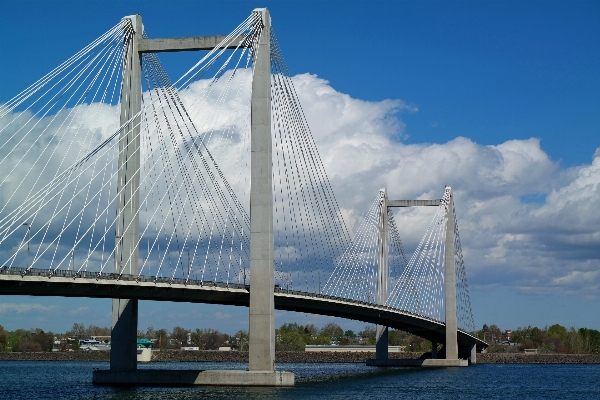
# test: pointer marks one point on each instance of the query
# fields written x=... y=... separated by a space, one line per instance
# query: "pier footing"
x=427 y=362
x=156 y=377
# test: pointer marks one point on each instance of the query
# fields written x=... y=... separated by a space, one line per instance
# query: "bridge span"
x=180 y=180
x=67 y=283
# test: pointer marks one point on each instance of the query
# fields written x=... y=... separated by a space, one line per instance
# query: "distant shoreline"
x=299 y=356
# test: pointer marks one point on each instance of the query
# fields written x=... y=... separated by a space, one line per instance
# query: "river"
x=72 y=380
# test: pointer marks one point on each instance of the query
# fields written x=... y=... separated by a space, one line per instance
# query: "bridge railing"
x=5 y=270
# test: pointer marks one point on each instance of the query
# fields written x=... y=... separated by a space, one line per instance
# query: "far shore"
x=298 y=356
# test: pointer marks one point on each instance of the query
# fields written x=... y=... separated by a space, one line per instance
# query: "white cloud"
x=222 y=315
x=547 y=247
x=528 y=246
x=21 y=308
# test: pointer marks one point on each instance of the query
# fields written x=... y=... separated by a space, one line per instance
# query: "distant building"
x=353 y=349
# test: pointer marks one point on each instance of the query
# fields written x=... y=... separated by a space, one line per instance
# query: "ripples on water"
x=72 y=380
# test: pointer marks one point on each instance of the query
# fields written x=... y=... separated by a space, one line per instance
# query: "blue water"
x=72 y=380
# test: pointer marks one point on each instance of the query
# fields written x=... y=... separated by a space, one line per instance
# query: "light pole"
x=28 y=240
x=319 y=272
x=73 y=258
x=188 y=252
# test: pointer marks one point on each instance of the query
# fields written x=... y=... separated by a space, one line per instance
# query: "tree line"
x=289 y=337
x=294 y=337
x=553 y=339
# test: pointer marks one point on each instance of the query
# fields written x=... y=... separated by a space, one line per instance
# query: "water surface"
x=72 y=380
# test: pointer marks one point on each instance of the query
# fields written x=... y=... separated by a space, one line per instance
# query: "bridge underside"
x=232 y=294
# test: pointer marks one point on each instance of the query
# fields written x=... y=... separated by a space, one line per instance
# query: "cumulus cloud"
x=19 y=308
x=551 y=246
x=547 y=247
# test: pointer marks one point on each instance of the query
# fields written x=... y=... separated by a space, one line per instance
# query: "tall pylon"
x=381 y=347
x=123 y=352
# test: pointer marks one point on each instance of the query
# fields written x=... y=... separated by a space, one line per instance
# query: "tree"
x=179 y=335
x=591 y=340
x=150 y=333
x=332 y=330
x=495 y=332
x=368 y=333
x=29 y=346
x=45 y=340
x=3 y=339
x=311 y=329
x=350 y=334
x=395 y=338
x=290 y=341
x=77 y=331
x=163 y=336
x=94 y=330
x=418 y=344
x=241 y=340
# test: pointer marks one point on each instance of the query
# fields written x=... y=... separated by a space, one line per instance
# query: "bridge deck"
x=94 y=285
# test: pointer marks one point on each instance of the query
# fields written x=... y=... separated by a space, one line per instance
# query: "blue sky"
x=491 y=71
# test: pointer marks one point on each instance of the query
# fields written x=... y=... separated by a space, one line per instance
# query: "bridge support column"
x=123 y=353
x=450 y=280
x=381 y=347
x=262 y=306
x=474 y=353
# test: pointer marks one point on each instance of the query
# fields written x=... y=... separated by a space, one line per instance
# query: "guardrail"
x=5 y=270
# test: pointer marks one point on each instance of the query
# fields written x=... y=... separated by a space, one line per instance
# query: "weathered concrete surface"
x=123 y=354
x=450 y=283
x=185 y=44
x=153 y=377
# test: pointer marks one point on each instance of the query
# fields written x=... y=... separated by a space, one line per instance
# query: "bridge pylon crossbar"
x=451 y=343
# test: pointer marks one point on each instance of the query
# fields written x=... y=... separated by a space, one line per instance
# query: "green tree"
x=162 y=337
x=16 y=337
x=178 y=337
x=368 y=333
x=395 y=338
x=591 y=340
x=3 y=339
x=45 y=340
x=321 y=340
x=290 y=341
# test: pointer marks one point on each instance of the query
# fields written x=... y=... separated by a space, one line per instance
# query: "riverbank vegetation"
x=294 y=337
x=553 y=339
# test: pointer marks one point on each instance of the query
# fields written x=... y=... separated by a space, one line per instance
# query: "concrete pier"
x=382 y=276
x=262 y=307
x=123 y=353
x=123 y=360
x=154 y=377
x=450 y=282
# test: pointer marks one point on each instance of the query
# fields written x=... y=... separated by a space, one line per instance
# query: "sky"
x=498 y=99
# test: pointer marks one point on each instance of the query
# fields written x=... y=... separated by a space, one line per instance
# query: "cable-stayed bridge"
x=119 y=183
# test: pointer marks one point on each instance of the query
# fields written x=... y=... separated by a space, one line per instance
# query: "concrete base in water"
x=427 y=362
x=156 y=377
